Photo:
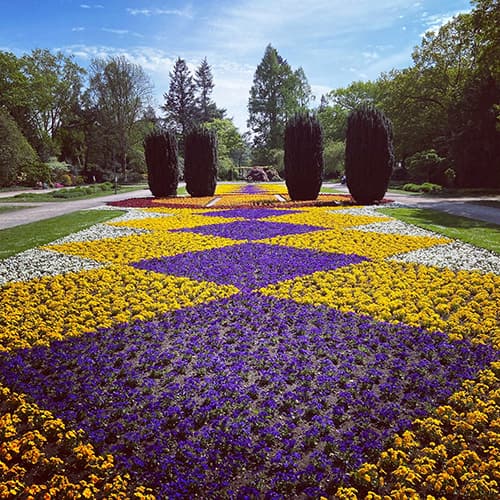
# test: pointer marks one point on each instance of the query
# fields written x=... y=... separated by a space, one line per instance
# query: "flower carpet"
x=248 y=349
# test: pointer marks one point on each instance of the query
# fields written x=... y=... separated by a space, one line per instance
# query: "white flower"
x=36 y=263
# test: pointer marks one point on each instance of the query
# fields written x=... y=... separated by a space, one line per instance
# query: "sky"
x=336 y=42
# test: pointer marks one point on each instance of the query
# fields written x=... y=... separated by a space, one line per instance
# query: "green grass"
x=80 y=193
x=478 y=233
x=34 y=234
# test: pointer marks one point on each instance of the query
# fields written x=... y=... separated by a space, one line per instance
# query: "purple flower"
x=248 y=266
x=252 y=229
x=250 y=213
x=245 y=392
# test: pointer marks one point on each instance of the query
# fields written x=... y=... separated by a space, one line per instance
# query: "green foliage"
x=160 y=148
x=18 y=160
x=303 y=157
x=276 y=94
x=369 y=154
x=426 y=187
x=230 y=143
x=119 y=93
x=337 y=104
x=200 y=162
x=334 y=158
x=278 y=160
x=180 y=101
x=225 y=169
x=424 y=165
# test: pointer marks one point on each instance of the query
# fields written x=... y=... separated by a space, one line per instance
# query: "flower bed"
x=250 y=352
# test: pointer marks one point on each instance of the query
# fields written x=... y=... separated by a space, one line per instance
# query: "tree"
x=337 y=104
x=276 y=94
x=230 y=146
x=303 y=157
x=160 y=149
x=17 y=157
x=180 y=101
x=200 y=162
x=204 y=87
x=120 y=92
x=369 y=154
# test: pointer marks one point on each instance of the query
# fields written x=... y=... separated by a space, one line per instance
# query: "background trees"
x=120 y=92
x=276 y=94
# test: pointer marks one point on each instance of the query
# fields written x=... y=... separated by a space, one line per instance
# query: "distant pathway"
x=465 y=206
x=48 y=209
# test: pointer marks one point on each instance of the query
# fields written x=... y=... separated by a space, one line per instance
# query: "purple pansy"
x=249 y=395
x=249 y=213
x=252 y=229
x=250 y=265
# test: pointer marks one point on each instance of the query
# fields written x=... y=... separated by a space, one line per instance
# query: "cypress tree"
x=160 y=149
x=369 y=155
x=303 y=157
x=200 y=162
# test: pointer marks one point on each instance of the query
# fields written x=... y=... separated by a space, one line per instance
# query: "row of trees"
x=59 y=122
x=444 y=108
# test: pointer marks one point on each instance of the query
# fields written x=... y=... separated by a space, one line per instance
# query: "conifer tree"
x=204 y=86
x=369 y=155
x=180 y=101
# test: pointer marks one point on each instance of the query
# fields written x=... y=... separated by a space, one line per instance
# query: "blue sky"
x=335 y=41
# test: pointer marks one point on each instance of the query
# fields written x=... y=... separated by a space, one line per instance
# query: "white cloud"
x=94 y=6
x=78 y=28
x=436 y=21
x=186 y=12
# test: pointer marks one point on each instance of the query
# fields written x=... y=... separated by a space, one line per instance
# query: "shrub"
x=66 y=180
x=303 y=157
x=160 y=149
x=200 y=162
x=426 y=187
x=369 y=156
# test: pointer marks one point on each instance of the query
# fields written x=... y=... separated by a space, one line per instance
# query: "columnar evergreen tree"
x=200 y=162
x=160 y=149
x=303 y=157
x=180 y=101
x=369 y=156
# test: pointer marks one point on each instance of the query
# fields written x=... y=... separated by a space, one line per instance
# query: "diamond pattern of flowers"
x=252 y=229
x=250 y=265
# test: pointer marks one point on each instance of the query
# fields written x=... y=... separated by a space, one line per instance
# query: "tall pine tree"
x=180 y=101
x=277 y=93
x=204 y=86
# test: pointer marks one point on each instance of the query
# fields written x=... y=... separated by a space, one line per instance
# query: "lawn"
x=20 y=238
x=259 y=350
x=478 y=233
